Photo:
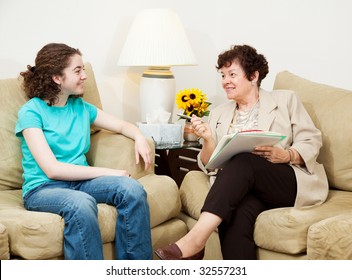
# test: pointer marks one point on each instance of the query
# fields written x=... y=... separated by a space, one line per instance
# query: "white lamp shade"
x=157 y=38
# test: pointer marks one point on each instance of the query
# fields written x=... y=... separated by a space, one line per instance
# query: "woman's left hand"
x=143 y=149
x=272 y=154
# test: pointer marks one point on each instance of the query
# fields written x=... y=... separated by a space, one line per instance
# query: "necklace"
x=243 y=120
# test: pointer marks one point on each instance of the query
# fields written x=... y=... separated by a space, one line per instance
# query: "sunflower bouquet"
x=193 y=102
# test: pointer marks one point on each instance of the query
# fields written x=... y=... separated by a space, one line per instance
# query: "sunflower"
x=202 y=109
x=192 y=101
x=182 y=99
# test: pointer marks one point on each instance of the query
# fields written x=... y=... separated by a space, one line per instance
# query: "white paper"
x=240 y=142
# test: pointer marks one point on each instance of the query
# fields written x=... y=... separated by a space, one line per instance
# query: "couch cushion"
x=163 y=198
x=193 y=191
x=111 y=150
x=329 y=238
x=329 y=107
x=285 y=230
x=11 y=99
x=37 y=235
x=4 y=243
x=91 y=93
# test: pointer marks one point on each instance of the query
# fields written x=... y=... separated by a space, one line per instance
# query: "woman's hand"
x=272 y=154
x=143 y=149
x=201 y=128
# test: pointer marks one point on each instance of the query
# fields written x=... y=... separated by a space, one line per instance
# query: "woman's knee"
x=238 y=168
x=238 y=164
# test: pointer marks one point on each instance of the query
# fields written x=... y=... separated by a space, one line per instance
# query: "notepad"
x=239 y=142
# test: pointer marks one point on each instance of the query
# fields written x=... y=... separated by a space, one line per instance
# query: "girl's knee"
x=83 y=202
x=137 y=190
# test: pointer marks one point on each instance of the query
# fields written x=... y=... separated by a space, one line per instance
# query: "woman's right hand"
x=201 y=128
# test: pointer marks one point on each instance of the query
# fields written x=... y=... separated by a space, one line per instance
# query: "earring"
x=254 y=83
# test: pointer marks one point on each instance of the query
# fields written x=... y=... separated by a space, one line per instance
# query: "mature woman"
x=269 y=177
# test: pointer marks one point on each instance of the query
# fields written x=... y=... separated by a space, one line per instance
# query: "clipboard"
x=239 y=142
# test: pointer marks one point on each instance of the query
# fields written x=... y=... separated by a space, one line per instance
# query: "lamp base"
x=157 y=90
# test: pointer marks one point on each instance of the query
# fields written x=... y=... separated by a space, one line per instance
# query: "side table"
x=176 y=160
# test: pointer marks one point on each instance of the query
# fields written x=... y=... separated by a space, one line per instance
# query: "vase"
x=188 y=133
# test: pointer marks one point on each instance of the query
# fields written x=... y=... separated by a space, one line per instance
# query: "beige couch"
x=319 y=232
x=34 y=235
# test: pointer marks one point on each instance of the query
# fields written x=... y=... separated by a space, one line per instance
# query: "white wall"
x=311 y=38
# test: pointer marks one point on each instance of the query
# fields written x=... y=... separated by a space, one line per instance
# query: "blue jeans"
x=77 y=202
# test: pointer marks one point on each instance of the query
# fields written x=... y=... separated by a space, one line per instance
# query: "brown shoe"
x=173 y=252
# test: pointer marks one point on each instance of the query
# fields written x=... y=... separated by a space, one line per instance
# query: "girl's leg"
x=133 y=236
x=82 y=239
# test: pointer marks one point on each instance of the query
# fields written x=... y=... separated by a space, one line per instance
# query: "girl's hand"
x=143 y=149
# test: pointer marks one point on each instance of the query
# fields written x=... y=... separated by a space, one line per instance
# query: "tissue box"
x=163 y=134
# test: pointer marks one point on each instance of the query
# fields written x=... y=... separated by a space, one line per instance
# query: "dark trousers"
x=244 y=188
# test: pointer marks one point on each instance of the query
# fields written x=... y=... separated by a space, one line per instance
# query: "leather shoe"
x=173 y=252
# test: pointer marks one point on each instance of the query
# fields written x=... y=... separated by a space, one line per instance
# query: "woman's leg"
x=236 y=236
x=215 y=209
x=194 y=241
x=82 y=239
x=133 y=236
x=274 y=185
x=247 y=186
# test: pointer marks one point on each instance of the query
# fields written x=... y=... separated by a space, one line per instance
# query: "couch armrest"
x=163 y=198
x=331 y=239
x=117 y=151
x=4 y=243
x=193 y=191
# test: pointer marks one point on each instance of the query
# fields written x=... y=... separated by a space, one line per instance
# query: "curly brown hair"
x=51 y=60
x=249 y=60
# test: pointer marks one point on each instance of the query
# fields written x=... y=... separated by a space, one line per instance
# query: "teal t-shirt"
x=66 y=129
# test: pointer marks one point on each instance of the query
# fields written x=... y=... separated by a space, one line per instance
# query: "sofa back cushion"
x=12 y=98
x=330 y=110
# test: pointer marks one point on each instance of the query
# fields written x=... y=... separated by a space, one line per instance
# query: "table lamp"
x=157 y=40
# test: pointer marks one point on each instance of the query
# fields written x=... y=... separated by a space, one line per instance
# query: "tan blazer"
x=281 y=111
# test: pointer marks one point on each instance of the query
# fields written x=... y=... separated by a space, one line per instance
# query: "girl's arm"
x=57 y=170
x=142 y=148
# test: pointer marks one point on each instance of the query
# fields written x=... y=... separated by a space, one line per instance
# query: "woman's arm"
x=202 y=130
x=306 y=137
x=111 y=123
x=302 y=136
x=207 y=150
x=57 y=170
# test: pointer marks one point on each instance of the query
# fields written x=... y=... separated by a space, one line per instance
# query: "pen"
x=184 y=117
